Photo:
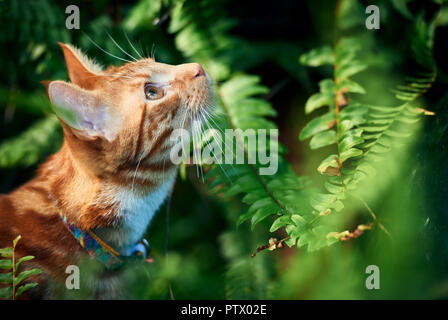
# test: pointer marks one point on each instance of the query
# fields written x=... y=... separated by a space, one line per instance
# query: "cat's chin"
x=203 y=102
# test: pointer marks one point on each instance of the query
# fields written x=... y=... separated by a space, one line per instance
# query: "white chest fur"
x=136 y=213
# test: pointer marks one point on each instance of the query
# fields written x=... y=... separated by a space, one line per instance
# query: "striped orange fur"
x=110 y=177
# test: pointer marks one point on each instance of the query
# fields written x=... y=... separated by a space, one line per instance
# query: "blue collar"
x=99 y=250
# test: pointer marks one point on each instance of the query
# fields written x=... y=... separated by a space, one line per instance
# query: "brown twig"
x=357 y=232
x=272 y=243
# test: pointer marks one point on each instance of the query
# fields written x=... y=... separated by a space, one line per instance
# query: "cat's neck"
x=135 y=214
x=118 y=212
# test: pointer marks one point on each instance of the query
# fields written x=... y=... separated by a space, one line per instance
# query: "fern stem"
x=364 y=203
x=382 y=227
x=13 y=272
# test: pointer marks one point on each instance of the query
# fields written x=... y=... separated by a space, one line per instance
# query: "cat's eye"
x=153 y=92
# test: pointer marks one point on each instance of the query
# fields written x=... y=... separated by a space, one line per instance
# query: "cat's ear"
x=81 y=70
x=83 y=111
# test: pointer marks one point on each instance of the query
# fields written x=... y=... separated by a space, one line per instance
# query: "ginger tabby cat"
x=113 y=170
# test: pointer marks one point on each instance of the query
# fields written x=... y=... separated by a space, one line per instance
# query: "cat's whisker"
x=112 y=75
x=147 y=55
x=163 y=171
x=141 y=47
x=135 y=173
x=119 y=47
x=193 y=129
x=226 y=147
x=199 y=139
x=211 y=111
x=222 y=153
x=110 y=54
x=132 y=46
x=195 y=146
x=211 y=115
x=216 y=126
x=153 y=52
x=182 y=127
x=185 y=117
x=220 y=130
x=199 y=142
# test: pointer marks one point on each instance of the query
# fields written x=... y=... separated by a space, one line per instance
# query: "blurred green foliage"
x=260 y=76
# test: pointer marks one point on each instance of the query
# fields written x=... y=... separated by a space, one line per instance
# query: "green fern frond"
x=12 y=280
x=361 y=133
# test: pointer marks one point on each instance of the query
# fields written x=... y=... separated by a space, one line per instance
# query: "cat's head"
x=129 y=111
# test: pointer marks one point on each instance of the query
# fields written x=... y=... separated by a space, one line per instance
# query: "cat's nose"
x=199 y=71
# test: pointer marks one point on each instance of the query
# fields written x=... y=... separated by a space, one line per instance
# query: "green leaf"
x=316 y=101
x=322 y=139
x=280 y=222
x=326 y=86
x=6 y=253
x=408 y=120
x=25 y=287
x=5 y=264
x=291 y=242
x=240 y=87
x=351 y=86
x=379 y=148
x=345 y=125
x=354 y=109
x=349 y=70
x=244 y=217
x=318 y=57
x=16 y=240
x=349 y=142
x=298 y=220
x=330 y=161
x=299 y=227
x=375 y=128
x=265 y=211
x=332 y=188
x=322 y=201
x=6 y=277
x=350 y=154
x=23 y=259
x=317 y=125
x=397 y=134
x=384 y=109
x=25 y=274
x=6 y=293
